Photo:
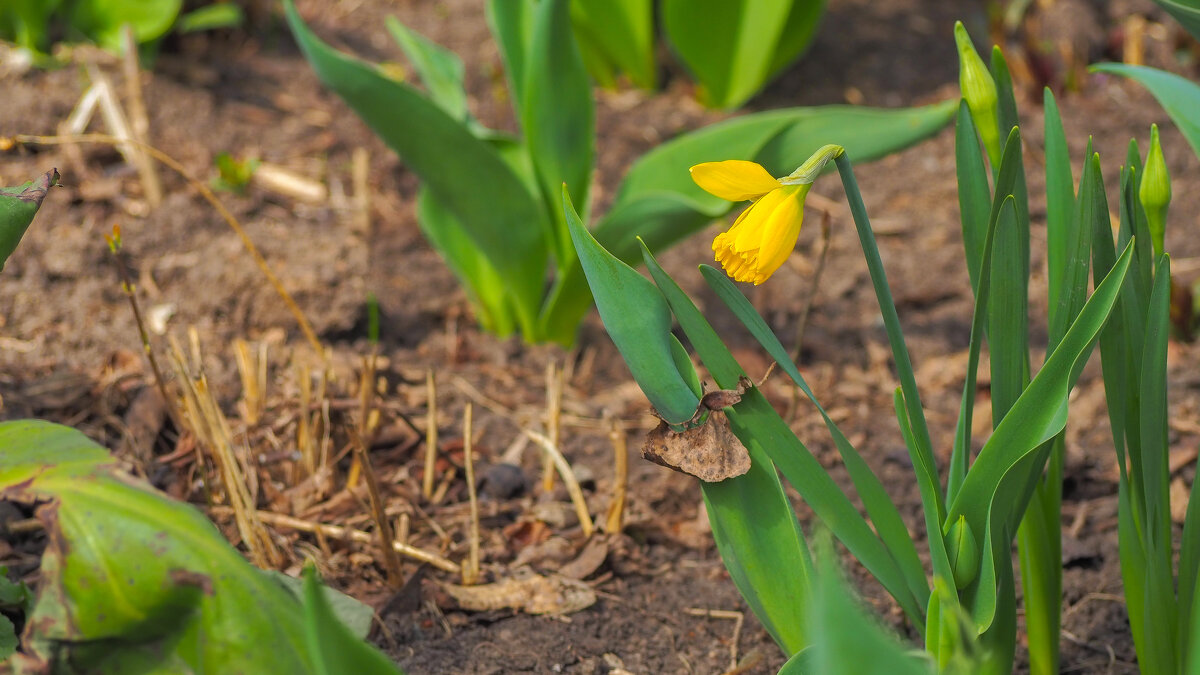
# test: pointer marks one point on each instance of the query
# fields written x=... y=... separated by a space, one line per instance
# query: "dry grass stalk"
x=614 y=518
x=346 y=533
x=443 y=487
x=252 y=369
x=210 y=197
x=738 y=619
x=203 y=416
x=431 y=436
x=360 y=171
x=470 y=573
x=383 y=526
x=305 y=442
x=568 y=476
x=554 y=384
x=139 y=121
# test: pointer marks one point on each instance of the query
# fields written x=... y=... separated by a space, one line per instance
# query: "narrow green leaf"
x=439 y=68
x=1008 y=316
x=638 y=320
x=880 y=509
x=755 y=422
x=18 y=206
x=331 y=645
x=1060 y=197
x=1179 y=96
x=1006 y=100
x=974 y=200
x=891 y=321
x=464 y=173
x=211 y=17
x=1186 y=12
x=557 y=116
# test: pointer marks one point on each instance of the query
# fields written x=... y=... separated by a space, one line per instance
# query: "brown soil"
x=69 y=350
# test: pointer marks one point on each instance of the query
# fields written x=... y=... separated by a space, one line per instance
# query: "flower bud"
x=1155 y=191
x=963 y=551
x=979 y=91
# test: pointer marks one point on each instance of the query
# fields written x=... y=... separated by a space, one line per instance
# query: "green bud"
x=813 y=166
x=963 y=552
x=1155 y=191
x=979 y=91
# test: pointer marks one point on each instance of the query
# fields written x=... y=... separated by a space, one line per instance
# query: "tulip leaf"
x=334 y=649
x=464 y=173
x=439 y=68
x=132 y=581
x=1186 y=12
x=617 y=35
x=102 y=20
x=1179 y=96
x=18 y=206
x=637 y=319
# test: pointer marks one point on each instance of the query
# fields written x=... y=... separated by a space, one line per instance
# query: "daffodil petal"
x=734 y=179
x=780 y=228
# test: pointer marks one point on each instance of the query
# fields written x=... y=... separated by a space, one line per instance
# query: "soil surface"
x=69 y=347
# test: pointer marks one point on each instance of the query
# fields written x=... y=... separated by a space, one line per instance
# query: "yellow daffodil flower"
x=765 y=233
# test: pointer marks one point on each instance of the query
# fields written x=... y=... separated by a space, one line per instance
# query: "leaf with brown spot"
x=18 y=206
x=709 y=452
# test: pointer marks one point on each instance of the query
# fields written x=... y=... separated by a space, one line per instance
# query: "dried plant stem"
x=738 y=619
x=211 y=429
x=346 y=533
x=127 y=286
x=211 y=198
x=564 y=469
x=616 y=508
x=252 y=369
x=553 y=421
x=802 y=323
x=470 y=573
x=139 y=121
x=383 y=526
x=304 y=437
x=431 y=436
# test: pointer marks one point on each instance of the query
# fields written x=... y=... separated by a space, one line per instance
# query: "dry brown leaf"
x=709 y=452
x=588 y=561
x=534 y=594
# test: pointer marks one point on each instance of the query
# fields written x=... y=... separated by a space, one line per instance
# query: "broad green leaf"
x=1186 y=12
x=440 y=69
x=101 y=20
x=511 y=22
x=132 y=579
x=755 y=422
x=1179 y=96
x=18 y=206
x=780 y=140
x=484 y=285
x=621 y=35
x=882 y=512
x=637 y=319
x=732 y=47
x=463 y=173
x=26 y=22
x=211 y=17
x=763 y=548
x=335 y=650
x=846 y=639
x=557 y=116
x=354 y=614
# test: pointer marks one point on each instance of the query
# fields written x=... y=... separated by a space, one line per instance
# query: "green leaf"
x=1060 y=197
x=101 y=20
x=621 y=34
x=440 y=70
x=211 y=17
x=1186 y=12
x=1178 y=96
x=131 y=579
x=756 y=423
x=511 y=22
x=1036 y=417
x=882 y=512
x=732 y=47
x=333 y=648
x=1008 y=315
x=638 y=320
x=557 y=116
x=973 y=198
x=18 y=206
x=353 y=614
x=463 y=173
